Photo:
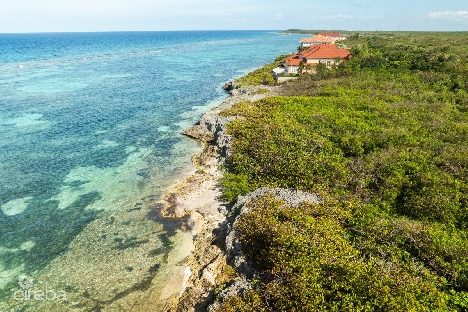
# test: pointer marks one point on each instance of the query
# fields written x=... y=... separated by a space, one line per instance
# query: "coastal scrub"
x=384 y=139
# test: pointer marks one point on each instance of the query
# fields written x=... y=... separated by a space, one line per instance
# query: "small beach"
x=197 y=198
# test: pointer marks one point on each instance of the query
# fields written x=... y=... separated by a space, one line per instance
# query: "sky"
x=154 y=15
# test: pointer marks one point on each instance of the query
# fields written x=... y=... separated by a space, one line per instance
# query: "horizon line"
x=195 y=30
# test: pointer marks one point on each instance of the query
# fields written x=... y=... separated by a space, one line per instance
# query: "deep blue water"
x=90 y=126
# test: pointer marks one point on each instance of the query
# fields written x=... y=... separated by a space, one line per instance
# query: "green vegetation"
x=383 y=138
x=262 y=76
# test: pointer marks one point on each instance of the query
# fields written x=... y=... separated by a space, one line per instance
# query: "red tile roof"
x=318 y=38
x=325 y=51
x=293 y=60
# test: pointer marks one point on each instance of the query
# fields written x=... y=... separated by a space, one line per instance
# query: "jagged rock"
x=233 y=249
x=230 y=86
x=198 y=196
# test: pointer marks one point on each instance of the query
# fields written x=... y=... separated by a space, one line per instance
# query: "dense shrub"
x=406 y=157
x=310 y=264
x=384 y=138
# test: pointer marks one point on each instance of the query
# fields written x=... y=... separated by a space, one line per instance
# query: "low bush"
x=383 y=138
x=310 y=262
x=262 y=76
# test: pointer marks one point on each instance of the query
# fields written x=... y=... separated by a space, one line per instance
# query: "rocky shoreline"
x=197 y=199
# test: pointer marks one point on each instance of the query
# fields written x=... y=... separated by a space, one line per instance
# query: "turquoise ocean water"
x=90 y=129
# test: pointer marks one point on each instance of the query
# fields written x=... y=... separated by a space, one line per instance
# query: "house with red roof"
x=292 y=63
x=328 y=54
x=318 y=39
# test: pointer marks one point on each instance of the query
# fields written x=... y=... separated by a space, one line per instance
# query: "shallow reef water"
x=90 y=136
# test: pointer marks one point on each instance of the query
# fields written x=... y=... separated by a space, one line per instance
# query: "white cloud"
x=352 y=17
x=449 y=15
